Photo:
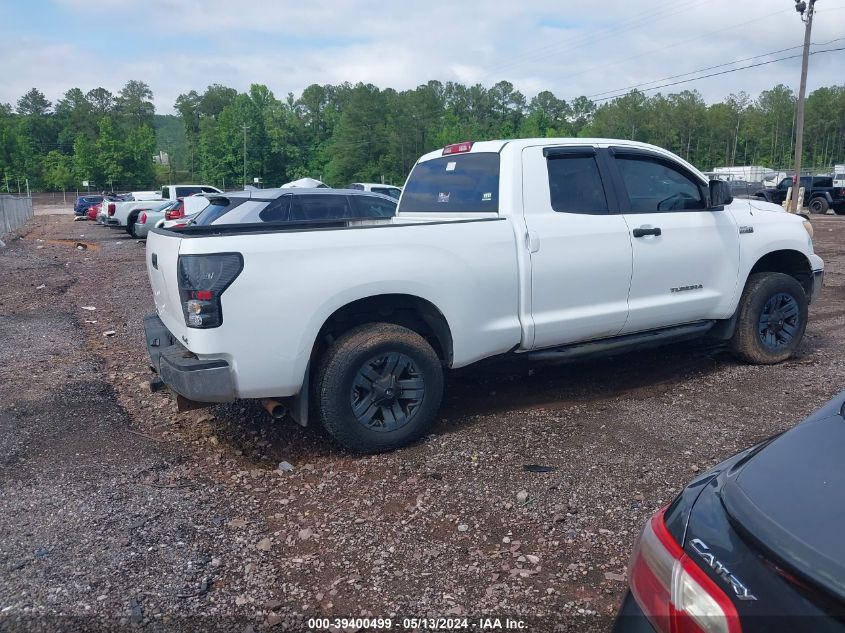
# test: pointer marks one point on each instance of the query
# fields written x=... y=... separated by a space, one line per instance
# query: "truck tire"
x=379 y=387
x=772 y=319
x=819 y=205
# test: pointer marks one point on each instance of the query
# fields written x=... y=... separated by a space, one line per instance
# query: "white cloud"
x=569 y=48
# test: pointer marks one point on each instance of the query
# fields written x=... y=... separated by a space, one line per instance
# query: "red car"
x=92 y=211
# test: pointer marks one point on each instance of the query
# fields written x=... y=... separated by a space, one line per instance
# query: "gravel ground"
x=118 y=512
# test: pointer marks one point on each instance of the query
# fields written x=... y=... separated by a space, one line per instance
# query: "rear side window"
x=823 y=181
x=459 y=183
x=181 y=192
x=276 y=211
x=320 y=207
x=575 y=185
x=654 y=186
x=372 y=207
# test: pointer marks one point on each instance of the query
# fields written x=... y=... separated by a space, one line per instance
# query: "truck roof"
x=519 y=144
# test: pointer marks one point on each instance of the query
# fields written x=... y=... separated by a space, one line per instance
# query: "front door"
x=686 y=256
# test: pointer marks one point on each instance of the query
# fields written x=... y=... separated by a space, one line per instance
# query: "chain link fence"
x=14 y=212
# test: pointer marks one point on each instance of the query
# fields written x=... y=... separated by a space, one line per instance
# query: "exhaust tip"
x=275 y=408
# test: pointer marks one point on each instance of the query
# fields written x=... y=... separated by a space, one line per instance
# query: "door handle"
x=643 y=231
x=154 y=260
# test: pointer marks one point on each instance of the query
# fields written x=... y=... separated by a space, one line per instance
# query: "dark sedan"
x=755 y=544
x=83 y=203
x=295 y=205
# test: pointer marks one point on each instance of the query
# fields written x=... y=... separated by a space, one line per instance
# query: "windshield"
x=459 y=183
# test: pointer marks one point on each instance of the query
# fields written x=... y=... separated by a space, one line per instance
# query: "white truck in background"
x=548 y=248
x=123 y=214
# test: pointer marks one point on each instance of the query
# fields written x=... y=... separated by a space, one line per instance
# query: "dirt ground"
x=118 y=512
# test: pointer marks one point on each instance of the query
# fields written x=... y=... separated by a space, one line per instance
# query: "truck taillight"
x=110 y=209
x=457 y=148
x=202 y=280
x=673 y=592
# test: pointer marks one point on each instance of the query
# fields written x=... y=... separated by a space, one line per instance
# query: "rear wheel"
x=772 y=319
x=818 y=205
x=379 y=387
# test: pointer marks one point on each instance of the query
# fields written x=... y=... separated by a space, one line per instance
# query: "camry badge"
x=736 y=584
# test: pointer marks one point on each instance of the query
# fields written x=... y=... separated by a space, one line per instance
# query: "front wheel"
x=819 y=205
x=772 y=319
x=379 y=387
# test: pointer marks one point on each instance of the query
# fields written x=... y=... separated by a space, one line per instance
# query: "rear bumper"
x=197 y=379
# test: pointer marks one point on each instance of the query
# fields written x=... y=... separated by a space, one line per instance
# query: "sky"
x=598 y=48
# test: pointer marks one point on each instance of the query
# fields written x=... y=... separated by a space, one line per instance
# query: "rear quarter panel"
x=292 y=282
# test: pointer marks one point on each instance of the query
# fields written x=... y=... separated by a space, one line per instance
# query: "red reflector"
x=142 y=219
x=204 y=295
x=458 y=148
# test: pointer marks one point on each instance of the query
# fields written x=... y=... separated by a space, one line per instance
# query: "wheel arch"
x=789 y=262
x=411 y=311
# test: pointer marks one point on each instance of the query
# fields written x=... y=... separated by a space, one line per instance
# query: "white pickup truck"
x=123 y=214
x=551 y=248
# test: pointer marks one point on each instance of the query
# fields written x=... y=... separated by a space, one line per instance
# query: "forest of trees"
x=343 y=133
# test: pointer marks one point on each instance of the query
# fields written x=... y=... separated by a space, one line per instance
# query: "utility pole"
x=246 y=127
x=801 y=6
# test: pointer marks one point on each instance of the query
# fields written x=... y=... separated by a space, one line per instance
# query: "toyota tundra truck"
x=548 y=248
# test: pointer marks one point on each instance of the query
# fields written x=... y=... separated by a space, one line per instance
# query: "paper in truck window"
x=471 y=186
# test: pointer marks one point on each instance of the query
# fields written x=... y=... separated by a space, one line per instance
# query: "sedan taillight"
x=175 y=214
x=674 y=592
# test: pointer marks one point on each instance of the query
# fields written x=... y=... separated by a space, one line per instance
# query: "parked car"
x=753 y=544
x=83 y=203
x=547 y=248
x=126 y=213
x=147 y=218
x=387 y=190
x=819 y=194
x=286 y=205
x=92 y=211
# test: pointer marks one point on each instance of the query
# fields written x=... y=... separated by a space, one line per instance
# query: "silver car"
x=148 y=217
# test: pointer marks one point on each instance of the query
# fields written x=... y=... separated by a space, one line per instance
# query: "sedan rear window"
x=464 y=183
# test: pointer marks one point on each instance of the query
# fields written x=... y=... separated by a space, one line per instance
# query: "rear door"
x=579 y=245
x=685 y=256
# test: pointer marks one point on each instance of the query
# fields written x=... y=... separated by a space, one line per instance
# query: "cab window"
x=653 y=185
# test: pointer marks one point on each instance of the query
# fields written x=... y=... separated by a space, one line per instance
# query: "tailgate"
x=162 y=262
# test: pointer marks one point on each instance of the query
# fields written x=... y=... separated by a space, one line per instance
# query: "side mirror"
x=720 y=193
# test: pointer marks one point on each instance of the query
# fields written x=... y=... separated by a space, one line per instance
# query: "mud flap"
x=298 y=404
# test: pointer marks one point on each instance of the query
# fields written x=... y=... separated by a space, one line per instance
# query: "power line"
x=723 y=72
x=693 y=72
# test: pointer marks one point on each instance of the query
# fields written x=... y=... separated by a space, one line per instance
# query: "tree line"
x=344 y=133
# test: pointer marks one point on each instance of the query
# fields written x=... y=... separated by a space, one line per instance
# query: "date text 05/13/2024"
x=428 y=624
